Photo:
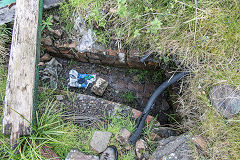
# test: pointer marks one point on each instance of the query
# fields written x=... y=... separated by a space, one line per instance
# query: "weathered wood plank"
x=22 y=70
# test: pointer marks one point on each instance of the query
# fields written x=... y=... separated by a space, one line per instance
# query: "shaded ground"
x=126 y=86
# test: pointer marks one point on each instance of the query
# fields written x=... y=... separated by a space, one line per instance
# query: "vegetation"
x=47 y=23
x=147 y=75
x=200 y=36
x=129 y=97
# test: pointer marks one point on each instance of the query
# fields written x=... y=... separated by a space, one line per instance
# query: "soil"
x=126 y=86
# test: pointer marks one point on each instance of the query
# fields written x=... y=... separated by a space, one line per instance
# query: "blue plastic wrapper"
x=80 y=80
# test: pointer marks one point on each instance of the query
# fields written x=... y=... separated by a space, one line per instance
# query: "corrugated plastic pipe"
x=150 y=104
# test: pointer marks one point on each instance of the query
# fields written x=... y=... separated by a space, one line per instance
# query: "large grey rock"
x=173 y=148
x=7 y=13
x=226 y=100
x=100 y=141
x=74 y=154
x=48 y=4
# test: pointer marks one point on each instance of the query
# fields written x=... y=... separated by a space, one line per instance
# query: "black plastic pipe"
x=150 y=104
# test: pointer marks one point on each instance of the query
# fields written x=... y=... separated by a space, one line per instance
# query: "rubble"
x=100 y=141
x=74 y=154
x=99 y=87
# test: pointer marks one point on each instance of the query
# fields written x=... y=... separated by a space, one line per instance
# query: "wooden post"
x=21 y=86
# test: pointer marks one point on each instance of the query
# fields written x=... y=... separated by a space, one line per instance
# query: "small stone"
x=99 y=87
x=110 y=154
x=47 y=41
x=57 y=33
x=226 y=100
x=100 y=141
x=200 y=142
x=121 y=57
x=140 y=148
x=154 y=136
x=74 y=154
x=41 y=64
x=59 y=97
x=137 y=113
x=123 y=136
x=165 y=132
x=46 y=57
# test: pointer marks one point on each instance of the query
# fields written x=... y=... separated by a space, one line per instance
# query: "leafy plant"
x=47 y=23
x=129 y=96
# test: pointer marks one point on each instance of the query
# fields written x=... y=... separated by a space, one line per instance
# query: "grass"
x=53 y=132
x=200 y=36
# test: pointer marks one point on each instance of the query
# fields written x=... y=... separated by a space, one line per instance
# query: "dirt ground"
x=126 y=86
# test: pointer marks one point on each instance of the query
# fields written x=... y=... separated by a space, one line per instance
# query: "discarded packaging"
x=80 y=80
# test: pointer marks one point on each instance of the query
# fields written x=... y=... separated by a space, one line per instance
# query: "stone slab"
x=75 y=154
x=100 y=141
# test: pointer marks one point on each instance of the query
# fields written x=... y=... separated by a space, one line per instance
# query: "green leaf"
x=136 y=33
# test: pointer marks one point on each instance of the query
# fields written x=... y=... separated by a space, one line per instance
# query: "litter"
x=80 y=80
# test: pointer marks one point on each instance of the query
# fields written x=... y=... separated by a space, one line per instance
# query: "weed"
x=129 y=97
x=47 y=23
x=147 y=75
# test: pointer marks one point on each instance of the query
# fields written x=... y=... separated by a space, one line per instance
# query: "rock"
x=154 y=136
x=137 y=113
x=226 y=100
x=173 y=148
x=48 y=4
x=123 y=137
x=99 y=87
x=87 y=41
x=7 y=14
x=47 y=41
x=140 y=148
x=49 y=75
x=74 y=154
x=200 y=142
x=121 y=57
x=164 y=132
x=110 y=153
x=46 y=57
x=100 y=141
x=57 y=33
x=59 y=97
x=41 y=64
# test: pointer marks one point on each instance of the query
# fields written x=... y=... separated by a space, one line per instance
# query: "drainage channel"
x=132 y=87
